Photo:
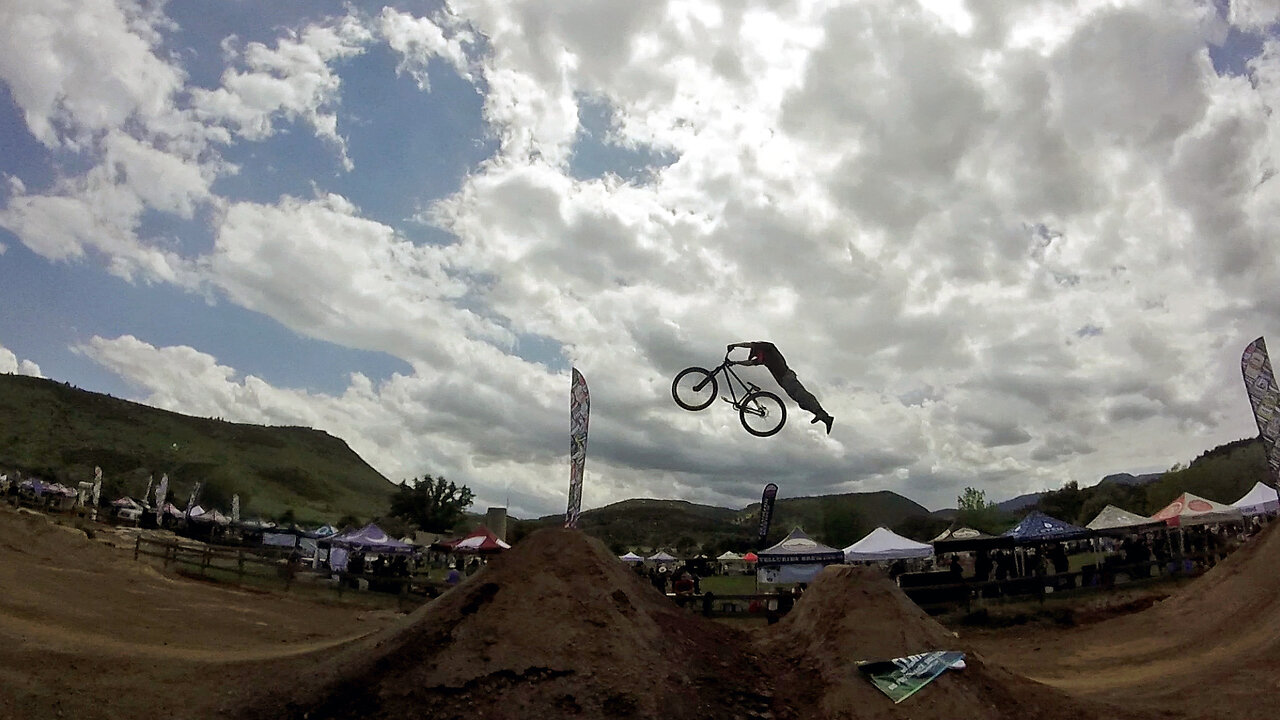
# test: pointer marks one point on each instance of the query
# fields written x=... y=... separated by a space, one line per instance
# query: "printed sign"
x=900 y=678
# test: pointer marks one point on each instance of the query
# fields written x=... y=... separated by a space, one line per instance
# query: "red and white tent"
x=1191 y=509
x=481 y=541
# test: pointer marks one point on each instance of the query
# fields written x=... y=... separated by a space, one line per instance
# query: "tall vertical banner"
x=579 y=414
x=97 y=485
x=162 y=490
x=235 y=508
x=1264 y=395
x=147 y=493
x=191 y=501
x=766 y=509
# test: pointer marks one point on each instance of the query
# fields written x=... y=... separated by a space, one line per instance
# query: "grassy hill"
x=837 y=520
x=58 y=432
x=1224 y=474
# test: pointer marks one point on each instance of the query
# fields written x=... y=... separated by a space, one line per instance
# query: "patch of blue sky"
x=293 y=161
x=188 y=237
x=409 y=147
x=595 y=154
x=542 y=350
x=50 y=307
x=1233 y=55
x=21 y=154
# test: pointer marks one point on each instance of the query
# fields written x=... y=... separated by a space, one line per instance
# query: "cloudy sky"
x=1007 y=244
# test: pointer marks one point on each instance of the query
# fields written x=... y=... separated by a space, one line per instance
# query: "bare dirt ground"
x=1212 y=650
x=558 y=628
x=86 y=632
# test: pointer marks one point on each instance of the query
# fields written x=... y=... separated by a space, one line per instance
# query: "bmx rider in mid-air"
x=766 y=353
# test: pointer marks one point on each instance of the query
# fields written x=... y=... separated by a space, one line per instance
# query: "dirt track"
x=1210 y=651
x=561 y=628
x=85 y=632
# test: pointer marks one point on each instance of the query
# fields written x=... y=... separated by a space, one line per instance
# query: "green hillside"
x=1224 y=474
x=58 y=432
x=837 y=520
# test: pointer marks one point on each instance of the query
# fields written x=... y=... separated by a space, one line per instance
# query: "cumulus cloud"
x=419 y=40
x=76 y=68
x=1006 y=245
x=9 y=363
x=292 y=81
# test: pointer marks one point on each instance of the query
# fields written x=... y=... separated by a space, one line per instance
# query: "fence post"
x=204 y=560
x=137 y=545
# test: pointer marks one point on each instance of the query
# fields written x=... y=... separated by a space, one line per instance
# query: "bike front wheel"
x=694 y=388
x=762 y=413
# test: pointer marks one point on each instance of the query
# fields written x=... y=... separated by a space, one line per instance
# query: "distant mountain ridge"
x=837 y=520
x=1127 y=479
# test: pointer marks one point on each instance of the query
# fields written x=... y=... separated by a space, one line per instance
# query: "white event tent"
x=662 y=556
x=1261 y=499
x=884 y=544
x=1119 y=520
x=631 y=558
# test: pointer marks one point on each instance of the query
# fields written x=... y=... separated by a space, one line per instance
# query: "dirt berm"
x=855 y=613
x=557 y=627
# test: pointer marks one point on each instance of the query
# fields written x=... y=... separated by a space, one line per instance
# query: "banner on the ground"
x=766 y=509
x=579 y=415
x=900 y=678
x=1264 y=396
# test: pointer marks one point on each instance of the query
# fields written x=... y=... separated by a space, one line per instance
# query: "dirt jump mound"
x=853 y=613
x=556 y=627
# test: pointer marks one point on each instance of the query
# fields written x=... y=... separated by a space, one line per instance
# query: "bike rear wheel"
x=694 y=388
x=762 y=413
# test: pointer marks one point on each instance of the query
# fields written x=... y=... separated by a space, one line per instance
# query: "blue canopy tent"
x=1038 y=527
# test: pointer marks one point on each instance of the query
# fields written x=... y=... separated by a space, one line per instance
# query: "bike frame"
x=726 y=369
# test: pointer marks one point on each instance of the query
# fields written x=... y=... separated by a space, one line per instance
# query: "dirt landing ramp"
x=854 y=613
x=556 y=627
x=1210 y=651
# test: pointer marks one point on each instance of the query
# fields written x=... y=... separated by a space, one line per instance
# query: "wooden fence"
x=274 y=567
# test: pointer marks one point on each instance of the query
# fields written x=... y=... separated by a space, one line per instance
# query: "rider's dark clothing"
x=767 y=354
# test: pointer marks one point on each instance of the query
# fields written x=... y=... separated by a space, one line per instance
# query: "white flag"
x=235 y=508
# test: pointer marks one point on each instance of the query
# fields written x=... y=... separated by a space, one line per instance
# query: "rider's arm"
x=749 y=361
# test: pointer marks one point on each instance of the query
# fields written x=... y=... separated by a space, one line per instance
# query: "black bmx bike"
x=762 y=413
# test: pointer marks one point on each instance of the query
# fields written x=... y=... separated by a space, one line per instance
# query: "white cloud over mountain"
x=1007 y=245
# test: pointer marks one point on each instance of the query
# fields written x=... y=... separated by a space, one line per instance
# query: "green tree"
x=1065 y=504
x=977 y=513
x=432 y=504
x=972 y=500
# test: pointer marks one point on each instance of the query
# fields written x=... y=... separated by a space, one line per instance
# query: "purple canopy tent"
x=370 y=539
